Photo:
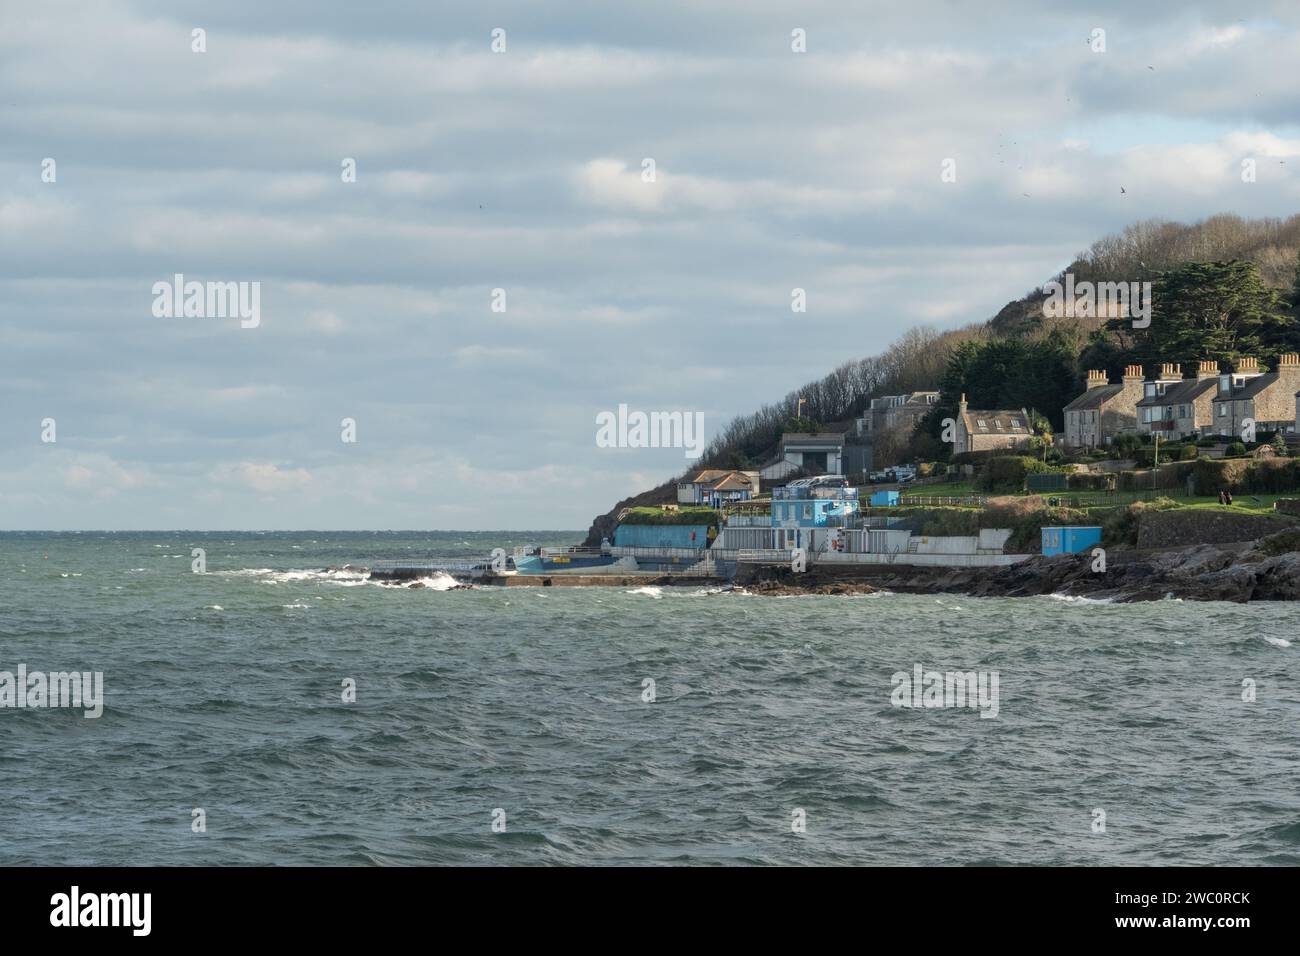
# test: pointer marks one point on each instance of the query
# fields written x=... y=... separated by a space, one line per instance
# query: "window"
x=982 y=424
x=807 y=511
x=1223 y=410
x=1015 y=423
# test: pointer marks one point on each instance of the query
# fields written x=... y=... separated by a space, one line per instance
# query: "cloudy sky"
x=521 y=170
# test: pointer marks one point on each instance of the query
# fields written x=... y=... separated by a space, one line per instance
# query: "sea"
x=274 y=709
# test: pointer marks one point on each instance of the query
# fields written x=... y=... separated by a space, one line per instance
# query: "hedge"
x=1088 y=481
x=1007 y=472
x=1265 y=476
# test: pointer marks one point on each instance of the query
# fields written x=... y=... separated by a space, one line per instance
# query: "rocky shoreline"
x=1267 y=569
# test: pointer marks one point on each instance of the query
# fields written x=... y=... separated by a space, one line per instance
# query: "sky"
x=522 y=170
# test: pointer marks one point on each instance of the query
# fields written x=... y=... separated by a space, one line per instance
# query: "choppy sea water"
x=224 y=692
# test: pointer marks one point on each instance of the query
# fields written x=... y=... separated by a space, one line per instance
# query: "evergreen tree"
x=1210 y=310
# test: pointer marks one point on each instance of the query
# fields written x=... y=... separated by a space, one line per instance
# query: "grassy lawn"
x=1241 y=502
x=687 y=515
x=1098 y=500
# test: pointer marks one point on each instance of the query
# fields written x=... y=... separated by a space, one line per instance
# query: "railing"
x=653 y=552
x=702 y=569
x=449 y=566
x=805 y=493
x=908 y=500
x=1104 y=499
x=763 y=556
x=748 y=521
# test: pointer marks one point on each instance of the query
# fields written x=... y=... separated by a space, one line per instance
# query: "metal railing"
x=448 y=566
x=748 y=521
x=805 y=493
x=763 y=556
x=906 y=500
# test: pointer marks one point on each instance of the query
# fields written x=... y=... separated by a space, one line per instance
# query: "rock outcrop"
x=1263 y=570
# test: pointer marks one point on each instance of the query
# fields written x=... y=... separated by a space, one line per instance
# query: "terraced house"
x=1103 y=410
x=1175 y=407
x=1249 y=397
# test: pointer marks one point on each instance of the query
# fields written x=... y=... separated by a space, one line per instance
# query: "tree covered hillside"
x=1222 y=288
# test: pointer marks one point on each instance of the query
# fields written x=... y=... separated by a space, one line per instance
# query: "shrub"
x=1087 y=481
x=1267 y=476
x=1126 y=443
x=1172 y=475
x=1007 y=473
x=1188 y=453
x=1026 y=516
x=1235 y=450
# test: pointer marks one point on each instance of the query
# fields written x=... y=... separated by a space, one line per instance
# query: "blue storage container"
x=886 y=499
x=1070 y=540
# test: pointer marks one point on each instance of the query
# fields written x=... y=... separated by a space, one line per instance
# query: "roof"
x=1189 y=389
x=997 y=421
x=708 y=475
x=1252 y=387
x=733 y=481
x=820 y=439
x=1094 y=397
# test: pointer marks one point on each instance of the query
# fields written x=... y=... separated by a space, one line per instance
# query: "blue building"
x=1070 y=540
x=805 y=507
x=888 y=499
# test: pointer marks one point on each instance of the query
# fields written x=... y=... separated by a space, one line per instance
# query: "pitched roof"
x=733 y=481
x=708 y=475
x=1094 y=397
x=1252 y=387
x=820 y=439
x=1188 y=390
x=999 y=421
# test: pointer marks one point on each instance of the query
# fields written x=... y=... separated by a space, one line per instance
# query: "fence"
x=748 y=521
x=969 y=500
x=1111 y=499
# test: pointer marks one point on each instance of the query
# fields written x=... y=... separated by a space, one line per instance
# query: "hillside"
x=1058 y=350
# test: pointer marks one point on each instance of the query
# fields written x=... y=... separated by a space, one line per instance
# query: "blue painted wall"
x=821 y=508
x=661 y=536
